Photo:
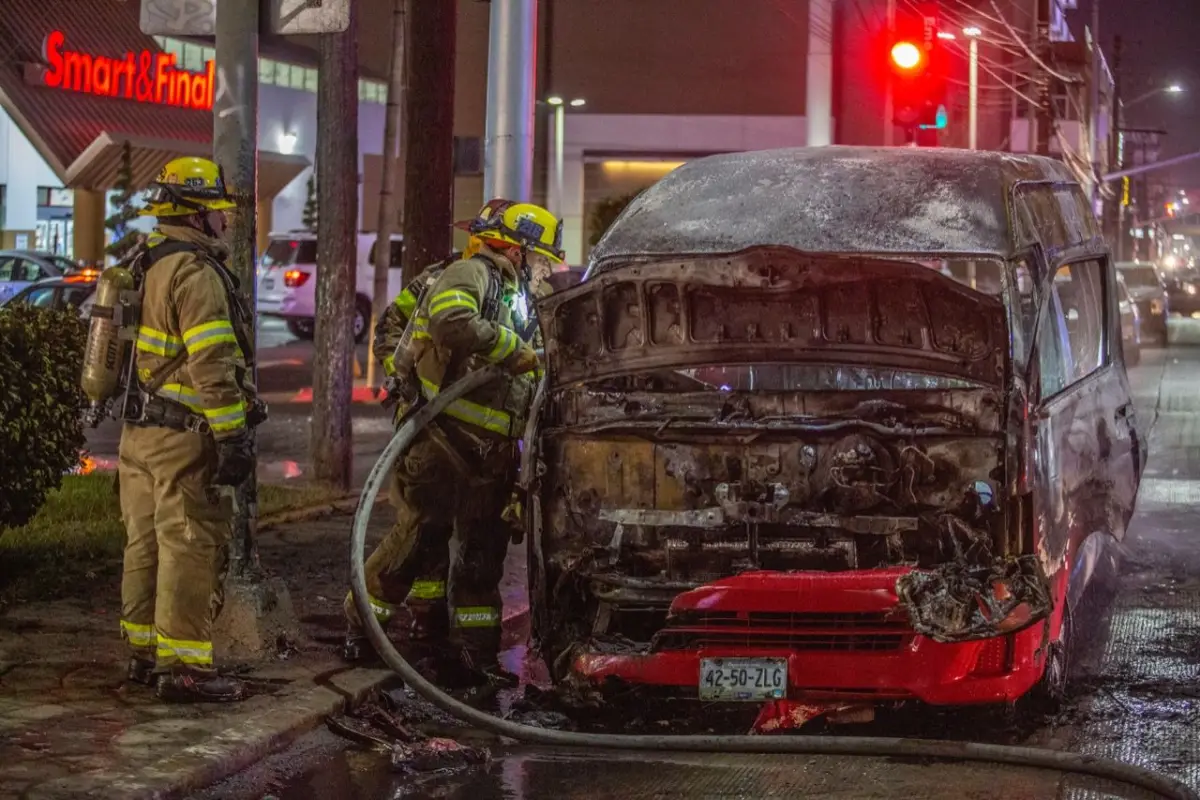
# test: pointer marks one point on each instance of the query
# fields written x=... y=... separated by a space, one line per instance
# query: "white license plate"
x=268 y=284
x=743 y=679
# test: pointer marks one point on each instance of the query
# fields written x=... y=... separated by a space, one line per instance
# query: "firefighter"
x=187 y=436
x=458 y=476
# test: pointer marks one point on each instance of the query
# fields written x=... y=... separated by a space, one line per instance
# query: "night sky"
x=1161 y=46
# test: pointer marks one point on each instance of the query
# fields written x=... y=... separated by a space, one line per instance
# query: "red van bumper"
x=844 y=636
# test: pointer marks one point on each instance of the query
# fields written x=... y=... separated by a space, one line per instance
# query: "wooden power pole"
x=429 y=133
x=337 y=188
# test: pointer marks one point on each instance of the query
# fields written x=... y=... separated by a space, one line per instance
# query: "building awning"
x=99 y=165
x=80 y=130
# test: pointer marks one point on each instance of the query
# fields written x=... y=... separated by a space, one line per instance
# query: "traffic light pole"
x=235 y=140
x=973 y=100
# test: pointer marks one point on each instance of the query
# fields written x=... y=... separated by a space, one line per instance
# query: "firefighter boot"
x=357 y=648
x=471 y=670
x=141 y=671
x=186 y=686
x=430 y=621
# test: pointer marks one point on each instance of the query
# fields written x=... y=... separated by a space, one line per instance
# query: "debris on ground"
x=385 y=726
x=436 y=754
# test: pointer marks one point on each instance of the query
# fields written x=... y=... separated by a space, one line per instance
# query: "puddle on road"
x=525 y=774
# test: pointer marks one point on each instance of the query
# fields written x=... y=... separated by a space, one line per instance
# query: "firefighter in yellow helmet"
x=458 y=476
x=185 y=435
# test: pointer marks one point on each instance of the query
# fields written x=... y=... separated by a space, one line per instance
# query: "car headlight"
x=1156 y=307
x=1190 y=288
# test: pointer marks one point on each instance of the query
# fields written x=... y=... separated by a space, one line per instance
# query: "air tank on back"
x=105 y=353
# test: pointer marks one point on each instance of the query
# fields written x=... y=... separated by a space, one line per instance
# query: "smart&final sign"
x=144 y=77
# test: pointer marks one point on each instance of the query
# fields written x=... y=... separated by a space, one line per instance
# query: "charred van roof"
x=831 y=200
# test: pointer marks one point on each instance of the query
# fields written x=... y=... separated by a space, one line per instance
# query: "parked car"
x=1183 y=290
x=802 y=439
x=1131 y=324
x=287 y=284
x=74 y=290
x=1148 y=291
x=20 y=268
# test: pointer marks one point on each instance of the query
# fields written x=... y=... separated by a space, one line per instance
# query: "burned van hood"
x=773 y=305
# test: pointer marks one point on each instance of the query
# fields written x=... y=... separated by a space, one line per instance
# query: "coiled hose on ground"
x=880 y=747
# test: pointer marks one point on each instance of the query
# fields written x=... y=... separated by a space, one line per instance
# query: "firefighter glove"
x=512 y=517
x=235 y=460
x=522 y=361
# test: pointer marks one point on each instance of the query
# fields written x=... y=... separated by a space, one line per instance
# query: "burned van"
x=832 y=424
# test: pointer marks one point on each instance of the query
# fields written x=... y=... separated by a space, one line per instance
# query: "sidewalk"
x=71 y=727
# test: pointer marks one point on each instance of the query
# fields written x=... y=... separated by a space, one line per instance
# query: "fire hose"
x=869 y=746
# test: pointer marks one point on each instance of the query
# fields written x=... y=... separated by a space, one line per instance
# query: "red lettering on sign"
x=146 y=77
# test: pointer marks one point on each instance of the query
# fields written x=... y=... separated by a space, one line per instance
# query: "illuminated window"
x=310 y=80
x=193 y=57
x=266 y=71
x=282 y=73
x=296 y=80
x=175 y=48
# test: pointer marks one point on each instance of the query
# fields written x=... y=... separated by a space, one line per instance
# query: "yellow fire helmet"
x=187 y=186
x=520 y=224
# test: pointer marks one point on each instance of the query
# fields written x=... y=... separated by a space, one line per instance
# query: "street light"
x=973 y=33
x=559 y=110
x=1173 y=88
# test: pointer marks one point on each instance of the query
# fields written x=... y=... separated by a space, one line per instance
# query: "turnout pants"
x=412 y=564
x=175 y=550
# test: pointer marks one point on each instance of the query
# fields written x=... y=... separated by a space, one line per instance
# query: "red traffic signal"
x=907 y=56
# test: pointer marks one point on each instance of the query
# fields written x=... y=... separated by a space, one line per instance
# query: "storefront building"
x=81 y=81
x=657 y=84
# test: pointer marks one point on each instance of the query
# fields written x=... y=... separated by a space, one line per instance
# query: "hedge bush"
x=41 y=356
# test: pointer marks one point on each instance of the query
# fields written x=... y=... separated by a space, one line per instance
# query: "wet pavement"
x=1132 y=696
x=72 y=727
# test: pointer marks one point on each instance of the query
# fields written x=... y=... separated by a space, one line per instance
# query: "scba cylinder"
x=105 y=353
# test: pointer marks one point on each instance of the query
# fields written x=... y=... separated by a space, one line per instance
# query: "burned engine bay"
x=656 y=481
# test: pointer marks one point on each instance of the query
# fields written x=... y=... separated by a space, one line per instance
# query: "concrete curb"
x=347 y=504
x=239 y=747
x=234 y=749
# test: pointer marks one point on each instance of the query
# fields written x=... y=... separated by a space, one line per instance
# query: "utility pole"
x=1116 y=152
x=889 y=96
x=1044 y=111
x=429 y=133
x=337 y=188
x=512 y=77
x=387 y=188
x=235 y=142
x=1095 y=116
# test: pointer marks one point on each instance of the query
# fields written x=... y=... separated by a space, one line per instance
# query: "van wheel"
x=362 y=319
x=301 y=328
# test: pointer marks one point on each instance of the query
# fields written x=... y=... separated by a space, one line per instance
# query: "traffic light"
x=917 y=64
x=908 y=57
